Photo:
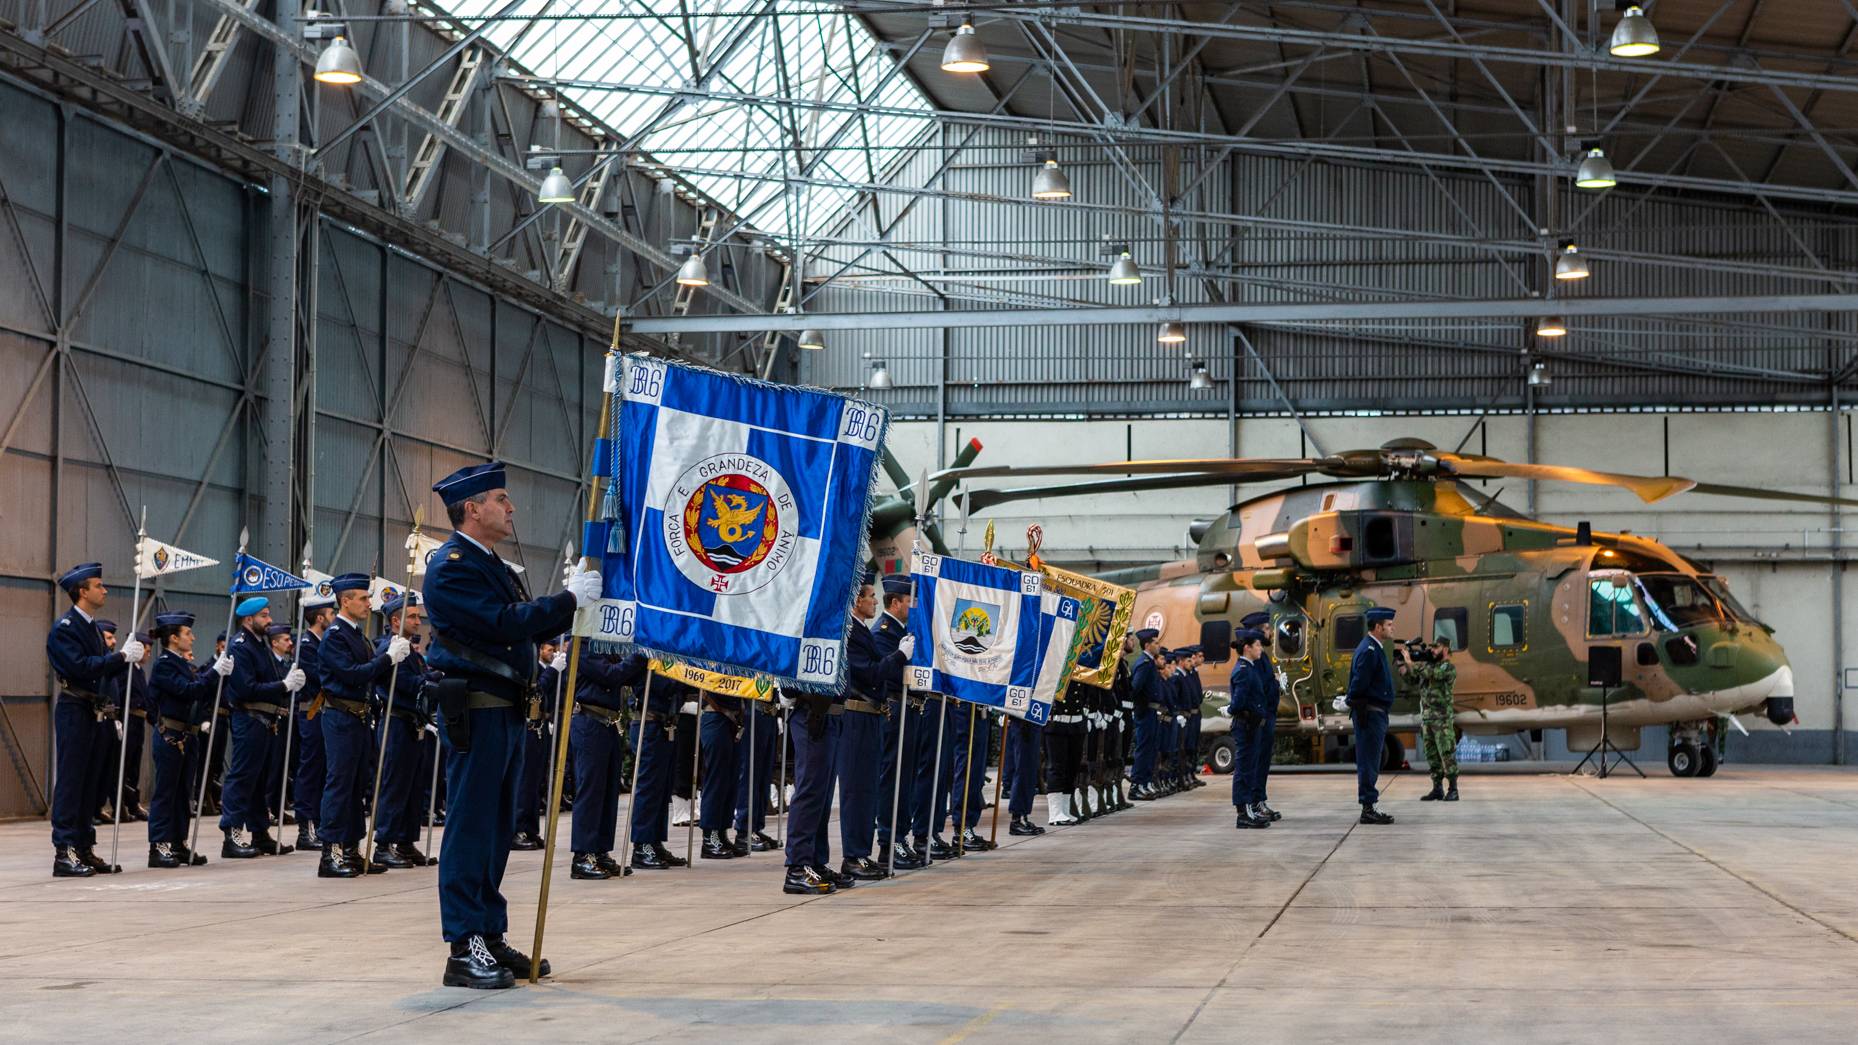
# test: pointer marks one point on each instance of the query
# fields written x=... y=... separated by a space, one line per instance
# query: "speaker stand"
x=1606 y=749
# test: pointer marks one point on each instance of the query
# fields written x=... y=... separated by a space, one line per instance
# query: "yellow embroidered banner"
x=758 y=687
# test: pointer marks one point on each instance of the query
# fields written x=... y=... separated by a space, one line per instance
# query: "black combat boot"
x=1451 y=794
x=1264 y=810
x=1371 y=815
x=938 y=849
x=332 y=865
x=647 y=858
x=161 y=854
x=1249 y=822
x=906 y=858
x=612 y=865
x=739 y=844
x=1437 y=792
x=307 y=838
x=669 y=859
x=351 y=854
x=233 y=849
x=523 y=841
x=189 y=858
x=760 y=842
x=972 y=841
x=473 y=965
x=1024 y=826
x=803 y=880
x=410 y=852
x=67 y=864
x=588 y=866
x=865 y=869
x=388 y=855
x=716 y=846
x=264 y=843
x=839 y=879
x=97 y=863
x=511 y=958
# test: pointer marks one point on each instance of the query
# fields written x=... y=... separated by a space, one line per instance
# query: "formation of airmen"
x=366 y=723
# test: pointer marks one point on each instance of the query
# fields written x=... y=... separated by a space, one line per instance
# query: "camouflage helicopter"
x=1521 y=604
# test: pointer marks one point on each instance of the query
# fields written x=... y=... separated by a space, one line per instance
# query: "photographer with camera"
x=1428 y=669
x=1253 y=708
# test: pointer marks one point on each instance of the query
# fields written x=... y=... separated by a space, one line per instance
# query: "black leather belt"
x=263 y=709
x=865 y=706
x=609 y=716
x=178 y=726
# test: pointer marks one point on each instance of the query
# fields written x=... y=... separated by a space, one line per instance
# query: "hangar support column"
x=277 y=371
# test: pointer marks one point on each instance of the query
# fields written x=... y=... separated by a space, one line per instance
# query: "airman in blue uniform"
x=873 y=667
x=318 y=609
x=1168 y=728
x=85 y=668
x=258 y=691
x=654 y=744
x=721 y=727
x=761 y=738
x=484 y=631
x=538 y=748
x=1024 y=741
x=601 y=685
x=1147 y=695
x=904 y=727
x=968 y=764
x=401 y=802
x=1267 y=738
x=1196 y=697
x=282 y=642
x=181 y=706
x=347 y=669
x=1253 y=701
x=1370 y=696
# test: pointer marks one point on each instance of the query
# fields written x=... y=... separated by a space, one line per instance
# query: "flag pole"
x=967 y=778
x=1006 y=735
x=935 y=772
x=632 y=796
x=290 y=720
x=567 y=560
x=219 y=689
x=566 y=703
x=393 y=683
x=696 y=757
x=122 y=728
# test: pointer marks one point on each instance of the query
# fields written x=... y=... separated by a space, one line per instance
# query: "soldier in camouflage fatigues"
x=1438 y=738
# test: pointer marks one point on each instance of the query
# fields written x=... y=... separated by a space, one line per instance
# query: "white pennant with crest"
x=153 y=558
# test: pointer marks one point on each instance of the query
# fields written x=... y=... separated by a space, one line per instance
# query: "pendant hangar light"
x=880 y=375
x=1595 y=171
x=1551 y=326
x=693 y=273
x=1124 y=272
x=964 y=53
x=812 y=340
x=1200 y=380
x=1172 y=333
x=338 y=65
x=556 y=188
x=1050 y=183
x=1634 y=36
x=1570 y=264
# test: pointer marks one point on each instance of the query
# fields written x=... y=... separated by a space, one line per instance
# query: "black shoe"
x=438 y=818
x=188 y=857
x=1371 y=815
x=904 y=857
x=588 y=866
x=716 y=846
x=410 y=853
x=525 y=842
x=389 y=856
x=940 y=850
x=972 y=841
x=1248 y=822
x=473 y=965
x=739 y=844
x=839 y=879
x=162 y=854
x=97 y=863
x=864 y=870
x=307 y=838
x=1437 y=792
x=233 y=849
x=264 y=843
x=1267 y=812
x=136 y=814
x=67 y=864
x=612 y=865
x=351 y=855
x=333 y=865
x=1452 y=794
x=650 y=858
x=1023 y=826
x=802 y=880
x=1141 y=793
x=512 y=959
x=670 y=860
x=759 y=842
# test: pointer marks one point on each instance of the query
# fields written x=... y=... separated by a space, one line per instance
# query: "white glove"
x=432 y=728
x=294 y=679
x=133 y=650
x=119 y=728
x=907 y=646
x=1180 y=720
x=222 y=666
x=207 y=726
x=398 y=648
x=585 y=586
x=1340 y=703
x=559 y=661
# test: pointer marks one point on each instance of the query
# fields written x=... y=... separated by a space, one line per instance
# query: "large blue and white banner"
x=734 y=533
x=977 y=632
x=1058 y=622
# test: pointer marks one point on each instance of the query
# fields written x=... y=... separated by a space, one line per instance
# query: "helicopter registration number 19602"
x=1512 y=699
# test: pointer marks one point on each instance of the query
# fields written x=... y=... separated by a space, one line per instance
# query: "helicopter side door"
x=1339 y=628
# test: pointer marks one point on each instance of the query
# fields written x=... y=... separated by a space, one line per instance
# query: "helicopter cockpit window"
x=1290 y=638
x=1449 y=625
x=1720 y=588
x=1348 y=632
x=1508 y=625
x=1611 y=609
x=1676 y=601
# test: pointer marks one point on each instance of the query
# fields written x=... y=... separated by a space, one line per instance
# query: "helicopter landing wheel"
x=1684 y=759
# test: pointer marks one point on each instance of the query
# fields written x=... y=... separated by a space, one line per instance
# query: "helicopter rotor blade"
x=1756 y=492
x=1649 y=488
x=1229 y=469
x=980 y=500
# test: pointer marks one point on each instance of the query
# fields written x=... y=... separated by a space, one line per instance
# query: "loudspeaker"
x=1603 y=667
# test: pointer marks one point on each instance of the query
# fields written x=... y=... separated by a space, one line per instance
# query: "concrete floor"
x=1540 y=908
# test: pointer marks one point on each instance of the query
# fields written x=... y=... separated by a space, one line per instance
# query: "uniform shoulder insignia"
x=453 y=556
x=62 y=621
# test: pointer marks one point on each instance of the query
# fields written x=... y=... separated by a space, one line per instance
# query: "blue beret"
x=898 y=585
x=174 y=620
x=78 y=574
x=395 y=604
x=106 y=625
x=1257 y=619
x=1376 y=614
x=1246 y=636
x=250 y=606
x=275 y=630
x=1147 y=635
x=469 y=481
x=349 y=582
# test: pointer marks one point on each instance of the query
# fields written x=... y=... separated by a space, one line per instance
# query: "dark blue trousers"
x=901 y=726
x=598 y=752
x=716 y=811
x=651 y=813
x=1168 y=744
x=1190 y=743
x=1261 y=769
x=933 y=776
x=1370 y=739
x=538 y=755
x=860 y=746
x=401 y=812
x=167 y=800
x=271 y=777
x=481 y=784
x=311 y=769
x=74 y=797
x=760 y=736
x=1022 y=766
x=1142 y=771
x=812 y=802
x=348 y=772
x=967 y=774
x=1247 y=787
x=242 y=789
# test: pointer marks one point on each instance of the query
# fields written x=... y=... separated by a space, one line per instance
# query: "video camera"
x=1419 y=651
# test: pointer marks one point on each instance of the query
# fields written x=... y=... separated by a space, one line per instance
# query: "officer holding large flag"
x=484 y=634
